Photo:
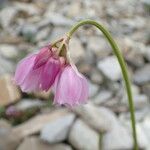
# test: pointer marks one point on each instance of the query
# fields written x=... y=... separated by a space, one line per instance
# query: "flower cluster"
x=48 y=69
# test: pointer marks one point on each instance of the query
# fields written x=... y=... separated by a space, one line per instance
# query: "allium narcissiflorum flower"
x=52 y=68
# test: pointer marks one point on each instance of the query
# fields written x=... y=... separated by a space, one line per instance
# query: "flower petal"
x=42 y=57
x=49 y=73
x=23 y=68
x=70 y=87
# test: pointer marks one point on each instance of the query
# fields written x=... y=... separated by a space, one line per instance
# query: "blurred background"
x=30 y=121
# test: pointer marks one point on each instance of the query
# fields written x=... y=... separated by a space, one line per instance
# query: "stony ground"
x=29 y=121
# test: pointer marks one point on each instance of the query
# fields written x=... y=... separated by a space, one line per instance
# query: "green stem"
x=123 y=69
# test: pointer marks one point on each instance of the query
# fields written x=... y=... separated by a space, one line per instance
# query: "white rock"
x=7 y=15
x=28 y=103
x=110 y=68
x=93 y=89
x=117 y=138
x=99 y=118
x=57 y=130
x=76 y=49
x=102 y=97
x=34 y=143
x=57 y=19
x=82 y=137
x=8 y=51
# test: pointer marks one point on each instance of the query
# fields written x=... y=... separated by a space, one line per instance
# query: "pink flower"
x=71 y=87
x=51 y=67
x=38 y=71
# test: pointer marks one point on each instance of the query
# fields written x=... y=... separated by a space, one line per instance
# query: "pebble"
x=25 y=104
x=36 y=124
x=8 y=51
x=110 y=68
x=10 y=92
x=34 y=143
x=90 y=139
x=102 y=97
x=57 y=130
x=142 y=75
x=98 y=118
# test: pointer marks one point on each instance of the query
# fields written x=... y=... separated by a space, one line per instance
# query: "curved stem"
x=122 y=65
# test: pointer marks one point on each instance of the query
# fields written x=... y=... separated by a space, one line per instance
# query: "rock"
x=102 y=96
x=28 y=31
x=98 y=118
x=34 y=143
x=29 y=9
x=57 y=19
x=10 y=92
x=96 y=77
x=57 y=130
x=93 y=89
x=140 y=101
x=110 y=68
x=76 y=50
x=143 y=141
x=117 y=138
x=90 y=138
x=8 y=140
x=36 y=124
x=99 y=46
x=6 y=66
x=25 y=104
x=57 y=33
x=42 y=34
x=8 y=51
x=142 y=75
x=7 y=15
x=146 y=89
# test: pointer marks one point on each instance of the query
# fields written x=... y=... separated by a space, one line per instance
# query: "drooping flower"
x=52 y=67
x=71 y=87
x=38 y=71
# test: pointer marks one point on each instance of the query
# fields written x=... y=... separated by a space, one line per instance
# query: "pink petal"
x=42 y=57
x=71 y=87
x=23 y=68
x=32 y=81
x=49 y=73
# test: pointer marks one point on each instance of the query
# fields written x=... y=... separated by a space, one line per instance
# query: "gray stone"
x=57 y=19
x=8 y=51
x=25 y=104
x=96 y=77
x=99 y=118
x=99 y=46
x=140 y=101
x=36 y=124
x=76 y=50
x=117 y=138
x=28 y=8
x=57 y=130
x=34 y=143
x=29 y=31
x=146 y=89
x=82 y=137
x=142 y=75
x=102 y=97
x=93 y=89
x=7 y=15
x=6 y=66
x=10 y=93
x=110 y=68
x=8 y=140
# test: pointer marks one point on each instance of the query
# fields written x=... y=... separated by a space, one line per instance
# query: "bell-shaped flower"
x=37 y=71
x=71 y=87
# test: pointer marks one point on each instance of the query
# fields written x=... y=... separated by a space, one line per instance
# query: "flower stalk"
x=123 y=66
